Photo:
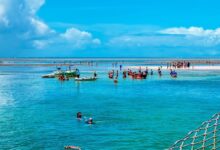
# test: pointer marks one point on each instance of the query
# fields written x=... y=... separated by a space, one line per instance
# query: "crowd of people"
x=140 y=74
x=134 y=74
x=179 y=64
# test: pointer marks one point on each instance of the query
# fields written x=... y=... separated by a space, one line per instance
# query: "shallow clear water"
x=38 y=113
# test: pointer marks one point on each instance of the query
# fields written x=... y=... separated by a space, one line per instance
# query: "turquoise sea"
x=150 y=114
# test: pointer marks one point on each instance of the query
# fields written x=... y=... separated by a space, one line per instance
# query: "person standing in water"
x=77 y=73
x=139 y=70
x=95 y=74
x=151 y=72
x=159 y=72
x=124 y=74
x=117 y=74
x=146 y=71
x=120 y=67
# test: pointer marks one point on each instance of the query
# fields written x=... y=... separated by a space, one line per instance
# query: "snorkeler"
x=90 y=121
x=79 y=115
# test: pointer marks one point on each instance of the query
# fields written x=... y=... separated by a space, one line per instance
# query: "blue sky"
x=116 y=28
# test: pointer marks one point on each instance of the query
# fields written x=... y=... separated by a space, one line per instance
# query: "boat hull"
x=86 y=79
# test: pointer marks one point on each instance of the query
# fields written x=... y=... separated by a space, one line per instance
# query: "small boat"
x=48 y=76
x=86 y=79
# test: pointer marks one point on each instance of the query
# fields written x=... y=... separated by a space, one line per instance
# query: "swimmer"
x=79 y=115
x=72 y=147
x=90 y=121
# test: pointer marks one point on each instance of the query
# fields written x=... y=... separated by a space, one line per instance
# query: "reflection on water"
x=5 y=99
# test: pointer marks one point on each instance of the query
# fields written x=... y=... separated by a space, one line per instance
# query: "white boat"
x=86 y=79
x=48 y=76
x=58 y=73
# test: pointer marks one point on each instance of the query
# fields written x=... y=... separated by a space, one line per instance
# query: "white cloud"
x=19 y=21
x=3 y=18
x=197 y=36
x=19 y=17
x=34 y=5
x=131 y=41
x=194 y=31
x=40 y=27
x=41 y=44
x=73 y=34
x=79 y=38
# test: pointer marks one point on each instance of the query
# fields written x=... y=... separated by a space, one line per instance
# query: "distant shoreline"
x=136 y=67
x=196 y=64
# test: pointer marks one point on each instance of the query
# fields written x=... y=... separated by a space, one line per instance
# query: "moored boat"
x=71 y=73
x=58 y=73
x=86 y=79
x=48 y=76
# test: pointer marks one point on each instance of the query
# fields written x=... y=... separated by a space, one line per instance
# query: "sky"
x=115 y=28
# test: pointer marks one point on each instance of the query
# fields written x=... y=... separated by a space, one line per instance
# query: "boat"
x=70 y=73
x=86 y=79
x=58 y=73
x=48 y=76
x=54 y=74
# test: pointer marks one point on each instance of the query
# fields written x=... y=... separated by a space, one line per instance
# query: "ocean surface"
x=150 y=114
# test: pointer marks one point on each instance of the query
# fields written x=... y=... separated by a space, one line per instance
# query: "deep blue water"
x=38 y=113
